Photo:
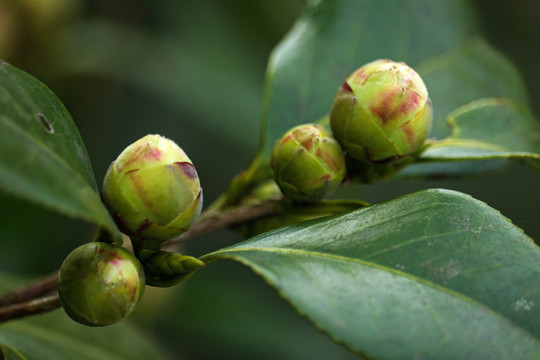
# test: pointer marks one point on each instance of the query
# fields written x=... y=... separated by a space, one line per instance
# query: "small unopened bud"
x=308 y=163
x=153 y=189
x=100 y=284
x=381 y=112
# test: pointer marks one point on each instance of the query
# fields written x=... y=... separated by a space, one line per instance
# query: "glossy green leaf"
x=432 y=275
x=335 y=37
x=484 y=133
x=489 y=129
x=42 y=156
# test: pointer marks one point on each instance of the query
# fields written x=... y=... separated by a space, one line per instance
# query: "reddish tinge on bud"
x=381 y=112
x=308 y=163
x=100 y=284
x=153 y=189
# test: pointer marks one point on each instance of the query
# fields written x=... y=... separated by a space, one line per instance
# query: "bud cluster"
x=153 y=191
x=380 y=115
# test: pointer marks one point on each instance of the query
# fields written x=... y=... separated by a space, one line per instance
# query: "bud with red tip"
x=100 y=284
x=308 y=163
x=382 y=112
x=153 y=189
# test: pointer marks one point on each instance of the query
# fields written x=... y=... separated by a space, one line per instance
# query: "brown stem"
x=33 y=307
x=36 y=289
x=214 y=220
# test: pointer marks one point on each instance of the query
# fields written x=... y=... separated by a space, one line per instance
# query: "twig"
x=43 y=286
x=214 y=221
x=32 y=307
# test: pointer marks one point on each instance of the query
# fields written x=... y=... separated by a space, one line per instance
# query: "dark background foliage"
x=194 y=71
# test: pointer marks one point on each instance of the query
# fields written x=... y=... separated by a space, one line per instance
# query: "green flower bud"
x=153 y=189
x=100 y=284
x=307 y=163
x=381 y=112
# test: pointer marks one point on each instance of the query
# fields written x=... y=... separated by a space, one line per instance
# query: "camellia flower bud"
x=100 y=284
x=381 y=112
x=153 y=189
x=307 y=163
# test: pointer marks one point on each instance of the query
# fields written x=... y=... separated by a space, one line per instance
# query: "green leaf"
x=42 y=156
x=432 y=275
x=335 y=37
x=489 y=129
x=465 y=73
x=484 y=133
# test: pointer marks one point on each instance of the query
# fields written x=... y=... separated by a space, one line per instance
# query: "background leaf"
x=68 y=340
x=42 y=156
x=487 y=129
x=334 y=37
x=107 y=58
x=484 y=133
x=435 y=265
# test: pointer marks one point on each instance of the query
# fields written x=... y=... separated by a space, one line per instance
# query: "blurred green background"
x=194 y=71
